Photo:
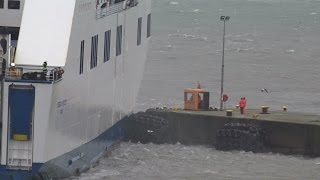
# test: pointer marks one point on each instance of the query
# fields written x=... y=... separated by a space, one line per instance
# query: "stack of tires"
x=241 y=136
x=147 y=127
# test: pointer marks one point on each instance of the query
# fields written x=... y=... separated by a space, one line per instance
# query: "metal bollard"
x=229 y=112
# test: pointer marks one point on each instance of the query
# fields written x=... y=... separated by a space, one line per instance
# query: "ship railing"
x=109 y=10
x=37 y=74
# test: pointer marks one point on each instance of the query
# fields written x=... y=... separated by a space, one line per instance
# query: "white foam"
x=241 y=40
x=210 y=172
x=245 y=49
x=196 y=10
x=241 y=35
x=141 y=162
x=290 y=51
x=174 y=3
x=205 y=38
x=189 y=36
x=120 y=159
x=105 y=172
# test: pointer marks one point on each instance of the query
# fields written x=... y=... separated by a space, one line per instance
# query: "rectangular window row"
x=1 y=4
x=94 y=52
x=107 y=45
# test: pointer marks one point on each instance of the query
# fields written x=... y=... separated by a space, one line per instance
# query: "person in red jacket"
x=242 y=104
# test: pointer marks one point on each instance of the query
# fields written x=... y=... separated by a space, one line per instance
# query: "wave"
x=188 y=36
x=190 y=11
x=241 y=35
x=240 y=40
x=290 y=51
x=195 y=10
x=173 y=3
x=245 y=50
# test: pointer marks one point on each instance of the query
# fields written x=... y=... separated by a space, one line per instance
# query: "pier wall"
x=284 y=137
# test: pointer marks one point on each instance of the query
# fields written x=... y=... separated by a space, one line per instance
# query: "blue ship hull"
x=73 y=162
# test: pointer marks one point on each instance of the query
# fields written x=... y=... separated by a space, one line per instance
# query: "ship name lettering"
x=62 y=103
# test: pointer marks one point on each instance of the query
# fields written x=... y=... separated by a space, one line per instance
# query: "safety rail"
x=109 y=10
x=34 y=74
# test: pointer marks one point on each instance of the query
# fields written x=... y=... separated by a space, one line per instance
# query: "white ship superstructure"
x=59 y=119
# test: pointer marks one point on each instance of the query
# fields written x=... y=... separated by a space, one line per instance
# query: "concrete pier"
x=288 y=132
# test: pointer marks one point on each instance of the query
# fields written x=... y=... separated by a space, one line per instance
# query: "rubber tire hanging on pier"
x=147 y=127
x=241 y=136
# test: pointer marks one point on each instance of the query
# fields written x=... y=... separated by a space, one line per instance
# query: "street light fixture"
x=224 y=19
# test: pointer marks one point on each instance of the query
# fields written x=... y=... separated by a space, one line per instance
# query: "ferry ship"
x=70 y=75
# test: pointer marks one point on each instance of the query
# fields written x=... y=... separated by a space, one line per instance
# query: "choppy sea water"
x=272 y=44
x=179 y=162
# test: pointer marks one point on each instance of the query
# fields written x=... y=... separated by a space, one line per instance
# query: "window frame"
x=1 y=4
x=94 y=51
x=81 y=57
x=119 y=41
x=139 y=31
x=14 y=4
x=149 y=25
x=107 y=46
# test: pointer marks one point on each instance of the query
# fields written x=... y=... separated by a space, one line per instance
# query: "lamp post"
x=224 y=19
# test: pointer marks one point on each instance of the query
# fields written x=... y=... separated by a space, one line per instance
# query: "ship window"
x=94 y=51
x=81 y=57
x=139 y=31
x=14 y=4
x=107 y=37
x=119 y=40
x=1 y=3
x=149 y=26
